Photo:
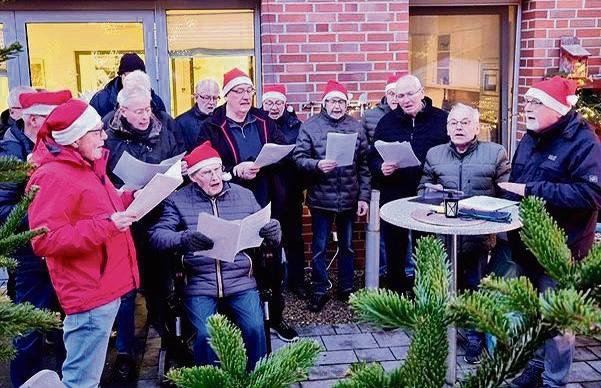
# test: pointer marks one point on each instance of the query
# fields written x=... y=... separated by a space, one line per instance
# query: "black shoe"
x=531 y=377
x=125 y=369
x=285 y=332
x=343 y=296
x=317 y=302
x=473 y=352
x=300 y=292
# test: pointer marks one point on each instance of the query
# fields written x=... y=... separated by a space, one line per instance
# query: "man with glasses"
x=238 y=131
x=423 y=126
x=206 y=97
x=558 y=160
x=335 y=194
x=388 y=103
x=11 y=117
x=476 y=168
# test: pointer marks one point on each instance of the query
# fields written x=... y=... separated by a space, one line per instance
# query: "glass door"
x=80 y=51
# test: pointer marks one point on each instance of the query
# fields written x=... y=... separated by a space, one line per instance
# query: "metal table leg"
x=452 y=331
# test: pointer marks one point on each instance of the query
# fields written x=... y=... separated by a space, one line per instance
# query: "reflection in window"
x=3 y=76
x=82 y=57
x=457 y=59
x=206 y=44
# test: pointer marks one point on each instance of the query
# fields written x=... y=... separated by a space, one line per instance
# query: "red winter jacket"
x=90 y=261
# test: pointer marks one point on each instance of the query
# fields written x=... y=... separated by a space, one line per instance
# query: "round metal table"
x=412 y=215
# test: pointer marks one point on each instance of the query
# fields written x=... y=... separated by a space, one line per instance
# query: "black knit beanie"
x=130 y=62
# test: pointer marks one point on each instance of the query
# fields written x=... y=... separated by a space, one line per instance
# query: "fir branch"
x=365 y=376
x=226 y=341
x=17 y=214
x=8 y=262
x=383 y=308
x=588 y=273
x=11 y=243
x=546 y=240
x=516 y=296
x=201 y=377
x=480 y=310
x=568 y=309
x=432 y=273
x=14 y=170
x=9 y=52
x=287 y=366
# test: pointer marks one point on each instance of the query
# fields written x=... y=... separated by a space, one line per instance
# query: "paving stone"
x=596 y=350
x=325 y=372
x=581 y=371
x=148 y=383
x=400 y=352
x=315 y=330
x=574 y=385
x=392 y=338
x=276 y=343
x=390 y=365
x=349 y=341
x=596 y=365
x=375 y=354
x=595 y=384
x=319 y=384
x=368 y=328
x=337 y=357
x=584 y=354
x=347 y=328
x=586 y=341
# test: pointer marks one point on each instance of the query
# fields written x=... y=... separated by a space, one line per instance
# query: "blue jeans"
x=86 y=339
x=125 y=342
x=322 y=225
x=245 y=310
x=32 y=284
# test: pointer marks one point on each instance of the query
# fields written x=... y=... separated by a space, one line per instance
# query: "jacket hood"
x=120 y=127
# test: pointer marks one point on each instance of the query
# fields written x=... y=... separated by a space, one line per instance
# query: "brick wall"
x=544 y=23
x=359 y=43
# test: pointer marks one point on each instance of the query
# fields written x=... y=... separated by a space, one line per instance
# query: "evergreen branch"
x=514 y=295
x=11 y=243
x=226 y=341
x=383 y=308
x=546 y=240
x=568 y=309
x=9 y=52
x=363 y=375
x=588 y=273
x=8 y=262
x=287 y=366
x=480 y=310
x=17 y=214
x=13 y=169
x=432 y=272
x=201 y=377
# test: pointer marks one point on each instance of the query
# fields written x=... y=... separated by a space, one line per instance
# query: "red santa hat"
x=202 y=156
x=334 y=89
x=233 y=78
x=276 y=92
x=391 y=83
x=556 y=93
x=68 y=122
x=42 y=103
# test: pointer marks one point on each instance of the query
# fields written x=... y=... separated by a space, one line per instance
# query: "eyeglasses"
x=336 y=102
x=15 y=108
x=240 y=92
x=140 y=111
x=400 y=96
x=532 y=101
x=455 y=123
x=208 y=98
x=269 y=104
x=99 y=131
x=208 y=174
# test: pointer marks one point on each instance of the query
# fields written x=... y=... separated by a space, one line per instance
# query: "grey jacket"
x=342 y=188
x=477 y=171
x=206 y=276
x=372 y=117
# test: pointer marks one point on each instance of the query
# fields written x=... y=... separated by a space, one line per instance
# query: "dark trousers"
x=269 y=275
x=396 y=242
x=292 y=238
x=126 y=325
x=32 y=284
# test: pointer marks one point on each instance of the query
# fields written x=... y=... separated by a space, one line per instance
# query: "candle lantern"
x=573 y=58
x=451 y=206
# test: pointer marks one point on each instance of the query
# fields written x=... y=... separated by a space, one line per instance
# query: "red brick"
x=399 y=6
x=268 y=18
x=373 y=47
x=285 y=58
x=560 y=33
x=300 y=27
x=372 y=7
x=380 y=37
x=350 y=7
x=321 y=77
x=397 y=66
x=344 y=47
x=380 y=66
x=367 y=66
x=373 y=27
x=588 y=33
x=290 y=38
x=590 y=42
x=315 y=48
x=351 y=17
x=292 y=48
x=336 y=7
x=299 y=8
x=351 y=77
x=351 y=37
x=569 y=4
x=345 y=27
x=275 y=68
x=322 y=38
x=292 y=18
x=321 y=17
x=380 y=56
x=583 y=23
x=562 y=14
x=322 y=58
x=293 y=78
x=302 y=87
x=299 y=67
x=541 y=5
x=322 y=28
x=329 y=67
x=561 y=23
x=592 y=4
x=377 y=76
x=274 y=48
x=589 y=13
x=398 y=46
x=380 y=17
x=400 y=26
x=351 y=57
x=528 y=15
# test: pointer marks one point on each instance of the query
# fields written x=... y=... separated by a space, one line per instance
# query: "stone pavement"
x=346 y=344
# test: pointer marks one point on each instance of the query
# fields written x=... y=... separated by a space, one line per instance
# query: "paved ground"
x=346 y=344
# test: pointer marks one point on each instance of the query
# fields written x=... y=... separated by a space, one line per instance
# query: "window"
x=206 y=44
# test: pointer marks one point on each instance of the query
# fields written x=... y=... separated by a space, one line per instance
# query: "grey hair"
x=410 y=78
x=131 y=92
x=15 y=93
x=473 y=112
x=205 y=84
x=137 y=78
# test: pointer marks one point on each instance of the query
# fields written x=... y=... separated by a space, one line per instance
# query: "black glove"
x=196 y=241
x=272 y=232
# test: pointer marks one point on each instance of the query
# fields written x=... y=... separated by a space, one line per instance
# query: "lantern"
x=573 y=58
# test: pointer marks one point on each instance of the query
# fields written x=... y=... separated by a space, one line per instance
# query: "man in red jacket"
x=88 y=248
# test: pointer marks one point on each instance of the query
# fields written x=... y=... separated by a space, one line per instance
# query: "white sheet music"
x=400 y=153
x=231 y=237
x=159 y=188
x=341 y=148
x=272 y=153
x=136 y=174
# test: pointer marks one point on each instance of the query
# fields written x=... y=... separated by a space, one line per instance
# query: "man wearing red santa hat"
x=372 y=117
x=88 y=248
x=558 y=160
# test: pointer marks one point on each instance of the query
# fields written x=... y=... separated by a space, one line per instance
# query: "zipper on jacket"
x=217 y=262
x=460 y=188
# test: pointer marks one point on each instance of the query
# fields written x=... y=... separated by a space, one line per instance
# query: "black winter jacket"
x=428 y=129
x=340 y=189
x=7 y=122
x=105 y=100
x=372 y=117
x=563 y=167
x=189 y=126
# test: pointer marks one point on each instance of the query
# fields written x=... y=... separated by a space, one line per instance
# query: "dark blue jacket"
x=7 y=122
x=189 y=126
x=562 y=166
x=217 y=130
x=105 y=100
x=427 y=130
x=290 y=179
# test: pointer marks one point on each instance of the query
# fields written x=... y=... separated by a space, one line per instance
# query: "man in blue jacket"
x=32 y=278
x=206 y=97
x=558 y=160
